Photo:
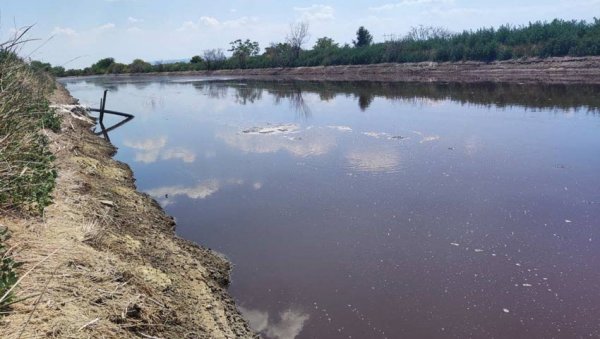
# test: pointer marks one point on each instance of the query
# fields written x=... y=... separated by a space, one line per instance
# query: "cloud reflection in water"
x=150 y=150
x=385 y=160
x=288 y=326
x=164 y=195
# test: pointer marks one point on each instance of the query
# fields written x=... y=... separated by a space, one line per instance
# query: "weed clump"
x=26 y=172
x=8 y=274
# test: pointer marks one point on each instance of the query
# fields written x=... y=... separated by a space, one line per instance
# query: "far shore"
x=563 y=70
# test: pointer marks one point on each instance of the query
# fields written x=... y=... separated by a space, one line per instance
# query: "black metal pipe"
x=102 y=105
x=111 y=112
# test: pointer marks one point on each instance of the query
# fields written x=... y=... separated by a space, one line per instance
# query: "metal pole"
x=102 y=105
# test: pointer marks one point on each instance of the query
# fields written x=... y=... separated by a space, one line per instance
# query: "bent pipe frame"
x=103 y=130
x=127 y=115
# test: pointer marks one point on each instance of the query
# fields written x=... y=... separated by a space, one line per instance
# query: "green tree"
x=281 y=54
x=58 y=71
x=214 y=58
x=196 y=59
x=242 y=50
x=116 y=68
x=139 y=66
x=325 y=43
x=40 y=66
x=102 y=66
x=363 y=38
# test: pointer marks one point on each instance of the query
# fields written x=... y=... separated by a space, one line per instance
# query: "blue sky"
x=87 y=30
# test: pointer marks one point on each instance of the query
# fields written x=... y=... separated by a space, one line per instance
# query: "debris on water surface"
x=429 y=139
x=454 y=244
x=383 y=135
x=505 y=310
x=376 y=135
x=526 y=285
x=568 y=221
x=478 y=250
x=341 y=128
x=272 y=129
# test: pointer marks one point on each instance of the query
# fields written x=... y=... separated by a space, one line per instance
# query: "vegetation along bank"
x=558 y=38
x=83 y=253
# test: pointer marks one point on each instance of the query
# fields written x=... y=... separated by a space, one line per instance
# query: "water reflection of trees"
x=364 y=101
x=217 y=90
x=547 y=96
x=294 y=96
x=247 y=94
x=486 y=94
x=242 y=93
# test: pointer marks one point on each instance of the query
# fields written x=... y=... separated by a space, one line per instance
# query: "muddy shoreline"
x=563 y=70
x=105 y=258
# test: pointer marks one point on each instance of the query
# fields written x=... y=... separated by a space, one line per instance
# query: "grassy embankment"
x=26 y=172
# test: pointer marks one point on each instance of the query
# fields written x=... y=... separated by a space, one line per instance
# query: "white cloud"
x=240 y=22
x=134 y=20
x=462 y=12
x=134 y=29
x=188 y=26
x=212 y=22
x=315 y=13
x=64 y=31
x=403 y=3
x=209 y=21
x=106 y=26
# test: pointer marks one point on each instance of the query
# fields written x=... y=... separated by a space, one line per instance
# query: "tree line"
x=538 y=39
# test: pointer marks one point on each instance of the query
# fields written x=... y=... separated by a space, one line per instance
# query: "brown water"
x=370 y=210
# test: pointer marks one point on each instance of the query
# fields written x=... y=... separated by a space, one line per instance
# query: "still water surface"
x=365 y=210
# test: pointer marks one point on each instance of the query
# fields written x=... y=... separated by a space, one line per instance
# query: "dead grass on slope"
x=103 y=261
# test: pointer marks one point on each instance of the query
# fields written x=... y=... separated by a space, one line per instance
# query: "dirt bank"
x=103 y=262
x=564 y=70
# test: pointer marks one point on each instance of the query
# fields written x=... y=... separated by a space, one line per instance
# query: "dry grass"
x=101 y=261
x=26 y=172
x=116 y=270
